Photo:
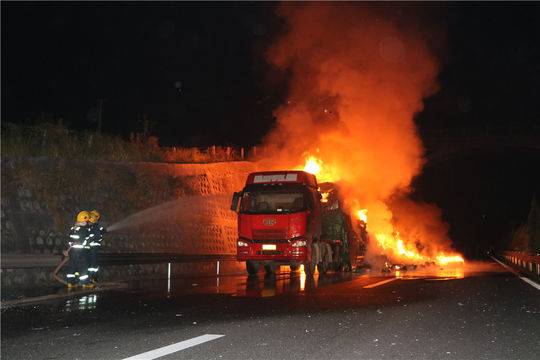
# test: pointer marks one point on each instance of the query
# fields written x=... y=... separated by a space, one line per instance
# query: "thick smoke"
x=358 y=75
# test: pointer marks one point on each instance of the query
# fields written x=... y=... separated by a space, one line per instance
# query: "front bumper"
x=283 y=252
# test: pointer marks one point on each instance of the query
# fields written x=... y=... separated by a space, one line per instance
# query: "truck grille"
x=269 y=252
x=273 y=241
x=270 y=234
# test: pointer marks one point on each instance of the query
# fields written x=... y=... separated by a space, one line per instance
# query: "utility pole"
x=99 y=115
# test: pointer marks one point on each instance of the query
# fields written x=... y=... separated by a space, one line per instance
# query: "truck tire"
x=252 y=267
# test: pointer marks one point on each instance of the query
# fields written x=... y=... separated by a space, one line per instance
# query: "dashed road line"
x=380 y=283
x=527 y=280
x=166 y=350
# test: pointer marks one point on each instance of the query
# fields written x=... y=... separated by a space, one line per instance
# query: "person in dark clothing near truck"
x=96 y=232
x=77 y=273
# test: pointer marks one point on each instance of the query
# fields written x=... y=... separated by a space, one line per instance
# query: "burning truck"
x=286 y=218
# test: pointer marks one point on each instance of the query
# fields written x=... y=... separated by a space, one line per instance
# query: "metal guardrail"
x=29 y=261
x=527 y=261
x=158 y=258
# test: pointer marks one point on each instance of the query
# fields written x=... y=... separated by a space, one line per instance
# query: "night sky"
x=197 y=72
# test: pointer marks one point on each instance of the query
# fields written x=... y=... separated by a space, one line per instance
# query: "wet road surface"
x=480 y=312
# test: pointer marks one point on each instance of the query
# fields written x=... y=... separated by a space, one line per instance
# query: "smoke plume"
x=358 y=76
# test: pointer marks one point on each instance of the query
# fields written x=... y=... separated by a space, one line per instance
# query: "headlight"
x=242 y=243
x=298 y=243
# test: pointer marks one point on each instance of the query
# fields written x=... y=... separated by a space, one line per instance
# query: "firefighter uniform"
x=78 y=247
x=95 y=235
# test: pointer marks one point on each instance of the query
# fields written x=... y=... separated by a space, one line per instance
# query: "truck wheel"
x=294 y=267
x=252 y=267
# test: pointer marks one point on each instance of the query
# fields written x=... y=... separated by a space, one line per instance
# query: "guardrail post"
x=168 y=277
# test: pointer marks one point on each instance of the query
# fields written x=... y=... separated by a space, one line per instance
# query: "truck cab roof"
x=282 y=177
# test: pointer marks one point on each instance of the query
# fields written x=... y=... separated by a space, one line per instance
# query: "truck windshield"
x=273 y=201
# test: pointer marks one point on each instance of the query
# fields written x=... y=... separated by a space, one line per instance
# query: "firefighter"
x=78 y=246
x=96 y=232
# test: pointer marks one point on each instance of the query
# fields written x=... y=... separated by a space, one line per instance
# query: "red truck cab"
x=279 y=218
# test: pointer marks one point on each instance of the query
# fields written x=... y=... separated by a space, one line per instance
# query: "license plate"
x=269 y=247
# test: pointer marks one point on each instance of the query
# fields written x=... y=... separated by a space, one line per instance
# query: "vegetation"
x=55 y=141
x=527 y=235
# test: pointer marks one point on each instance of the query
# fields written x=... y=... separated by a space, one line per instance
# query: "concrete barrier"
x=40 y=198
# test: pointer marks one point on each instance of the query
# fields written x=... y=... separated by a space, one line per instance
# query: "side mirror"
x=235 y=199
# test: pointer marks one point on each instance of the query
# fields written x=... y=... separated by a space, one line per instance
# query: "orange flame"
x=313 y=165
x=362 y=215
x=442 y=259
x=316 y=166
x=400 y=250
x=404 y=252
x=349 y=116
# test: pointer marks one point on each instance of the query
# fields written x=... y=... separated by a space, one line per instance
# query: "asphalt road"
x=480 y=312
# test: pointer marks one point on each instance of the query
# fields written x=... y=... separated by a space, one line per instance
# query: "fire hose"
x=65 y=259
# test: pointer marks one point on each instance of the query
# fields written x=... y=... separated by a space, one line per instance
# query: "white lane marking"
x=380 y=283
x=530 y=282
x=527 y=280
x=166 y=350
x=506 y=266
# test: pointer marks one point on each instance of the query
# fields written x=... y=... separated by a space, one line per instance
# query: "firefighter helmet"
x=94 y=216
x=83 y=216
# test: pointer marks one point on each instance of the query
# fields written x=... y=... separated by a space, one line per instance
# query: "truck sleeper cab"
x=279 y=218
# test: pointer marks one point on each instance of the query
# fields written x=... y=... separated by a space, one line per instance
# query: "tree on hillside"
x=533 y=226
x=527 y=235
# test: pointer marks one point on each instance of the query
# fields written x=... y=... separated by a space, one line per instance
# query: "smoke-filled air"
x=358 y=76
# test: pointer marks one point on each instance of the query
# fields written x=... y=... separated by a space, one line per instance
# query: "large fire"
x=349 y=117
x=362 y=215
x=324 y=172
x=390 y=244
x=313 y=165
